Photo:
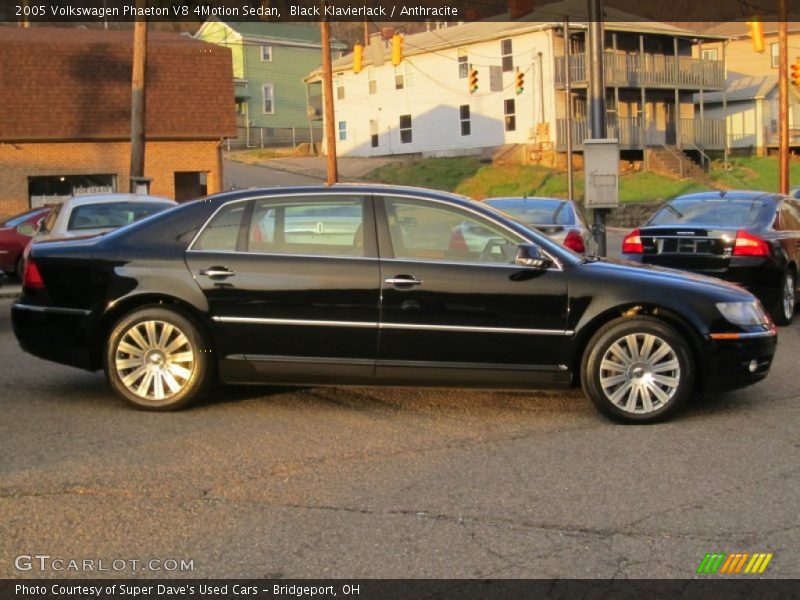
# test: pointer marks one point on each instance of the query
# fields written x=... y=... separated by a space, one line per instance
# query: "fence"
x=273 y=137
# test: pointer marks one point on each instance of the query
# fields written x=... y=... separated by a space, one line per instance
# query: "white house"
x=424 y=105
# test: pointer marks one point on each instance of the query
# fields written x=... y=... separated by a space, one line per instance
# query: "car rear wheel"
x=637 y=370
x=19 y=268
x=783 y=310
x=157 y=359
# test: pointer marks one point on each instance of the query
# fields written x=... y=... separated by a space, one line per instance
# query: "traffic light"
x=520 y=78
x=794 y=73
x=358 y=58
x=473 y=80
x=756 y=33
x=397 y=49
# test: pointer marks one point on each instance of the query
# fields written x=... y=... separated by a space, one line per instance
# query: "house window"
x=773 y=54
x=340 y=92
x=269 y=99
x=463 y=63
x=373 y=81
x=266 y=53
x=405 y=129
x=509 y=110
x=403 y=77
x=342 y=131
x=374 y=140
x=466 y=125
x=190 y=185
x=506 y=53
x=710 y=54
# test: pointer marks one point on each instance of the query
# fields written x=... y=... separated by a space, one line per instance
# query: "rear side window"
x=117 y=214
x=316 y=226
x=222 y=232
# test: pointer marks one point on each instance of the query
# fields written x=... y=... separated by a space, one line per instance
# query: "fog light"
x=753 y=366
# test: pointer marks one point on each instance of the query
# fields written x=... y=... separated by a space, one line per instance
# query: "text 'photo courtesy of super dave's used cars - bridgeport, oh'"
x=369 y=285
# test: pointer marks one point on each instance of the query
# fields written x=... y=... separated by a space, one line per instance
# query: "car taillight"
x=747 y=244
x=457 y=241
x=32 y=279
x=574 y=241
x=632 y=244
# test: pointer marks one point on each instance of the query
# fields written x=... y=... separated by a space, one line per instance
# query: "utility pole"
x=138 y=98
x=568 y=92
x=366 y=34
x=783 y=98
x=327 y=98
x=597 y=103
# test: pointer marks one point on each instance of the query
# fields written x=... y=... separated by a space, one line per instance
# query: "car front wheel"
x=637 y=370
x=157 y=359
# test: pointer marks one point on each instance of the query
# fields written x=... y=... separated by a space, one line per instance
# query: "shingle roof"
x=75 y=84
x=738 y=29
x=296 y=32
x=742 y=88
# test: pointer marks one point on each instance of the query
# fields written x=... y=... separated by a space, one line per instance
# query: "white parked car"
x=87 y=216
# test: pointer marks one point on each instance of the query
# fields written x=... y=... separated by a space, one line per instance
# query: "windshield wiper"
x=674 y=210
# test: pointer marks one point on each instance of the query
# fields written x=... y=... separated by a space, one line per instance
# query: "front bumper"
x=728 y=363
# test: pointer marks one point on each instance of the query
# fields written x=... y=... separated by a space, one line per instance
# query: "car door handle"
x=218 y=273
x=403 y=281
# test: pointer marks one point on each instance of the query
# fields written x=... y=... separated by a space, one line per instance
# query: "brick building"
x=65 y=117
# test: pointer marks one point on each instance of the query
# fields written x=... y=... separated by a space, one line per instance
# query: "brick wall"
x=18 y=161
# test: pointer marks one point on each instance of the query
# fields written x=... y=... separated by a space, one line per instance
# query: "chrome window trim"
x=376 y=325
x=190 y=248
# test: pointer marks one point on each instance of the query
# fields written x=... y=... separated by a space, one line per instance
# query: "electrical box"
x=601 y=173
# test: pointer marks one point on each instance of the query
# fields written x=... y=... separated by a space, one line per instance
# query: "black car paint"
x=148 y=262
x=760 y=275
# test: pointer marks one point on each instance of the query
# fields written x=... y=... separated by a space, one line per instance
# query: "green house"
x=270 y=61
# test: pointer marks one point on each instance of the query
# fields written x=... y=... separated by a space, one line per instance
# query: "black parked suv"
x=368 y=285
x=748 y=238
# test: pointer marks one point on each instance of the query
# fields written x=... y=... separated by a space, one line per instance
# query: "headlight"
x=743 y=313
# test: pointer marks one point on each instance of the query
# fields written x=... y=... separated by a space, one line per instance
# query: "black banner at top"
x=377 y=11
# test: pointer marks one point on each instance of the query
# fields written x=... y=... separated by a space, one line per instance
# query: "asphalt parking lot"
x=338 y=482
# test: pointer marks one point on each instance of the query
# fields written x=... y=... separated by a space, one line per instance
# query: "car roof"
x=110 y=198
x=526 y=199
x=732 y=195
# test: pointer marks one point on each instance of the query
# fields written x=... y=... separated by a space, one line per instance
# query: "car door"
x=454 y=305
x=292 y=284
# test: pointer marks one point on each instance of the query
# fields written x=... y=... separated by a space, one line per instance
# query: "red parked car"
x=12 y=242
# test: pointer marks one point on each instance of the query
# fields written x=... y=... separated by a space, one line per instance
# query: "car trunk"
x=688 y=248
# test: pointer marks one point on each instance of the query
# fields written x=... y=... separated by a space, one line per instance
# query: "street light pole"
x=597 y=103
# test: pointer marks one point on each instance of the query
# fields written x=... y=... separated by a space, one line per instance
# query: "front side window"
x=405 y=129
x=266 y=53
x=222 y=232
x=312 y=226
x=269 y=98
x=427 y=231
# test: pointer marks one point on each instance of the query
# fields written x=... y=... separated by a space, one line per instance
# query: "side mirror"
x=27 y=229
x=530 y=255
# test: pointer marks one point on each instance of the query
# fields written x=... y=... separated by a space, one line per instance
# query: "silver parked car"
x=557 y=218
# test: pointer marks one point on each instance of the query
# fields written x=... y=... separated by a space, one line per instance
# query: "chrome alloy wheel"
x=788 y=297
x=640 y=373
x=154 y=360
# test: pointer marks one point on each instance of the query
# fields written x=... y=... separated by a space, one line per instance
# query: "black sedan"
x=748 y=238
x=365 y=285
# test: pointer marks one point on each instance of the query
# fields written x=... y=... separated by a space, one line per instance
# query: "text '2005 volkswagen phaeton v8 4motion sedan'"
x=367 y=285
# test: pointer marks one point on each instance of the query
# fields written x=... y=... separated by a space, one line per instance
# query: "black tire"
x=667 y=386
x=19 y=268
x=779 y=310
x=180 y=368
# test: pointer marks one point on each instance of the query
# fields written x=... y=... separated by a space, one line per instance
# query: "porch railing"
x=705 y=135
x=643 y=70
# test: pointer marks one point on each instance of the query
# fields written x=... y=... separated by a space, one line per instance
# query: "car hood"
x=653 y=274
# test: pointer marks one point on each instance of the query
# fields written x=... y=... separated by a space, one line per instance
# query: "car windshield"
x=20 y=219
x=717 y=212
x=536 y=212
x=112 y=214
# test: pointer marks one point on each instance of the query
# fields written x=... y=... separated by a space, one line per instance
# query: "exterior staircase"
x=673 y=162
